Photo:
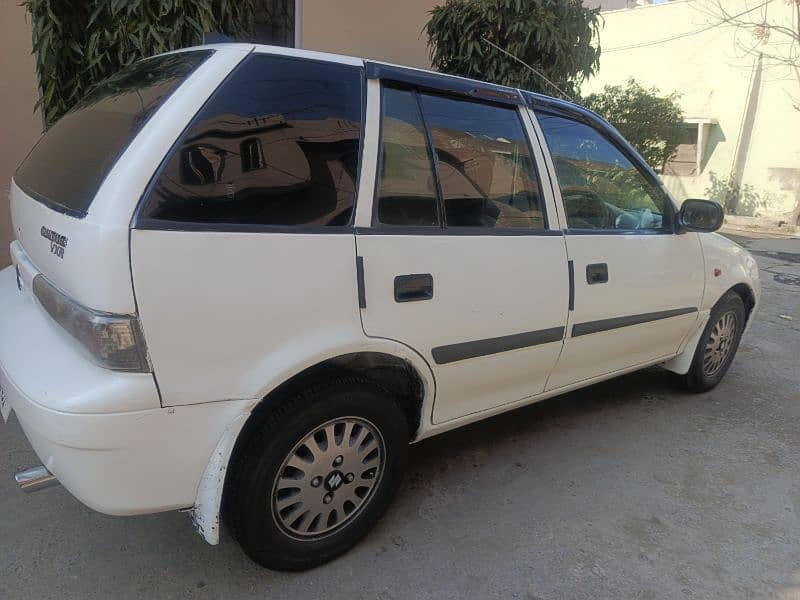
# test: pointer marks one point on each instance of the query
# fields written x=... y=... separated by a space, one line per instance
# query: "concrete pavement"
x=627 y=489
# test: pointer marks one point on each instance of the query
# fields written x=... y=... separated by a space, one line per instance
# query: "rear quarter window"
x=68 y=164
x=276 y=145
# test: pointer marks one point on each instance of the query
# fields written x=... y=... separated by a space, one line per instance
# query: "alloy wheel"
x=719 y=344
x=328 y=477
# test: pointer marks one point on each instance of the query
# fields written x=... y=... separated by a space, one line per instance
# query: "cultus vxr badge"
x=58 y=242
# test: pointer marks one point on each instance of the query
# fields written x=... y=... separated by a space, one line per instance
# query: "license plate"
x=5 y=401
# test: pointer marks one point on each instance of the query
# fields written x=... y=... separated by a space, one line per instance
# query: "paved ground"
x=628 y=489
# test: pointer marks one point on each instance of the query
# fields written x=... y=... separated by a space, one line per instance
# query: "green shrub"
x=652 y=123
x=78 y=43
x=738 y=199
x=553 y=36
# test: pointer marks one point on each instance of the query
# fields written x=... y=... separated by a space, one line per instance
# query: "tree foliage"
x=78 y=43
x=652 y=123
x=554 y=37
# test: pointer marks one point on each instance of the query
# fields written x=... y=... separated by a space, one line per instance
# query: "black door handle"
x=596 y=273
x=413 y=288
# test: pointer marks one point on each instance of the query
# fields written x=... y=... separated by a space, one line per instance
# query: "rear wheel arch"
x=395 y=374
x=288 y=536
x=399 y=376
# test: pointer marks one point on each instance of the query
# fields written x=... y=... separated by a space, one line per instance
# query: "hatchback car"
x=246 y=277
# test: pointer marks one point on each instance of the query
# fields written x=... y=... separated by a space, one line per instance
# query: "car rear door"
x=243 y=253
x=637 y=284
x=458 y=257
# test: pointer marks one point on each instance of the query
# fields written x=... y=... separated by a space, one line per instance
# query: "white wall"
x=715 y=76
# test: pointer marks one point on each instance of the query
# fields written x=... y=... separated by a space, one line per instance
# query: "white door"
x=637 y=284
x=459 y=262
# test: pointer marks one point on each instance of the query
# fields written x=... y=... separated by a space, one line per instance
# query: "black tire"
x=252 y=488
x=699 y=379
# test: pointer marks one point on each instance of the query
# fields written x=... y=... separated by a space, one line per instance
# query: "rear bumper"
x=102 y=433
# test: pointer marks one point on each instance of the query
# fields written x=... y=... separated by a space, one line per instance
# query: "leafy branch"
x=78 y=43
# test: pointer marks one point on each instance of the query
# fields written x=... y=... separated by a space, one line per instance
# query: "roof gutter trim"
x=446 y=83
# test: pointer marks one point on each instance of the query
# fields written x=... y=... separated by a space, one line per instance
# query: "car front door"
x=460 y=261
x=637 y=284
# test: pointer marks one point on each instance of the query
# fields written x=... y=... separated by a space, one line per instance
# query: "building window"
x=275 y=22
x=688 y=160
x=684 y=161
x=252 y=155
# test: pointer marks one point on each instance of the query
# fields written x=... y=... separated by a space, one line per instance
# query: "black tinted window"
x=486 y=173
x=277 y=144
x=406 y=189
x=68 y=164
x=600 y=187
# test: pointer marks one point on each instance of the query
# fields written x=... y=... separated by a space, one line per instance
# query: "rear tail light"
x=113 y=341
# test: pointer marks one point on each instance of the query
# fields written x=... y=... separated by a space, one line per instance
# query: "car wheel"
x=718 y=344
x=316 y=474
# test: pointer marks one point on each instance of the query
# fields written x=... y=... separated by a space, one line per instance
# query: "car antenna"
x=526 y=65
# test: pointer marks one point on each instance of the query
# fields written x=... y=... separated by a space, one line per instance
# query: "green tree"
x=81 y=42
x=553 y=37
x=652 y=123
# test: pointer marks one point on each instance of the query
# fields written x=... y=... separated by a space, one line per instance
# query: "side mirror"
x=700 y=215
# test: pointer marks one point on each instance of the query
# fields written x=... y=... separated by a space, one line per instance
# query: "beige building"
x=390 y=31
x=738 y=101
x=20 y=126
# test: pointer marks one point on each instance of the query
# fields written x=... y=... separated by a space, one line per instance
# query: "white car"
x=246 y=277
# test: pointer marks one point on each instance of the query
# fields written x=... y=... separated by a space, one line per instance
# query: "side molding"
x=617 y=322
x=461 y=351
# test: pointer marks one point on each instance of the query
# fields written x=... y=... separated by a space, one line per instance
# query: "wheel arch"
x=746 y=293
x=681 y=363
x=393 y=366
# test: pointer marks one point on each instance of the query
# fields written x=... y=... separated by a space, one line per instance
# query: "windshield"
x=70 y=161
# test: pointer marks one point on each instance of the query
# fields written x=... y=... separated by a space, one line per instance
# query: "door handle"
x=596 y=273
x=413 y=288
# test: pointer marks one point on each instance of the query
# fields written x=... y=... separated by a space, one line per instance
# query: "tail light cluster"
x=113 y=341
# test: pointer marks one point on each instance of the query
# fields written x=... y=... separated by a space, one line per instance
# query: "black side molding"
x=571 y=271
x=454 y=352
x=362 y=294
x=615 y=323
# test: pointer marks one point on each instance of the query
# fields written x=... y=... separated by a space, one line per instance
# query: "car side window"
x=601 y=188
x=406 y=187
x=276 y=144
x=484 y=166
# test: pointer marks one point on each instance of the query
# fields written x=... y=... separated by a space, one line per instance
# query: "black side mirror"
x=700 y=215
